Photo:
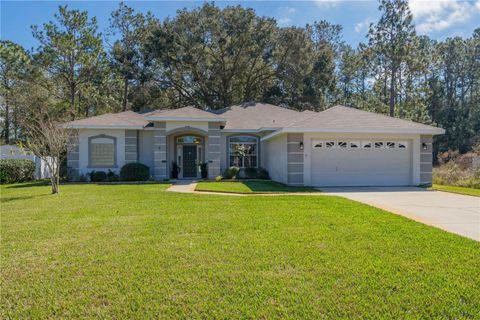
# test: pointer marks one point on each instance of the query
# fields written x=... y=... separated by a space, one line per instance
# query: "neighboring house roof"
x=122 y=120
x=260 y=116
x=254 y=117
x=183 y=114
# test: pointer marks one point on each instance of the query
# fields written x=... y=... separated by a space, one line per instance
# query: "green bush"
x=231 y=173
x=112 y=176
x=263 y=174
x=218 y=178
x=135 y=172
x=16 y=170
x=98 y=176
x=250 y=173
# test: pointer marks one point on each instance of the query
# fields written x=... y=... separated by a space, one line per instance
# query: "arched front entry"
x=189 y=154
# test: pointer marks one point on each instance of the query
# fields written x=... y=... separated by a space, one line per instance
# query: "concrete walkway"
x=184 y=186
x=455 y=213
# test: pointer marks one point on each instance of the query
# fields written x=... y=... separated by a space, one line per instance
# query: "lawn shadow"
x=272 y=186
x=10 y=199
x=37 y=183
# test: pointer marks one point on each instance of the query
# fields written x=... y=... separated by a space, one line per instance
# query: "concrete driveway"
x=451 y=212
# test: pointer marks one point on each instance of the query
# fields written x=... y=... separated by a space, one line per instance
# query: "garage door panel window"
x=402 y=145
x=366 y=144
x=378 y=144
x=243 y=151
x=360 y=144
x=354 y=144
x=318 y=144
x=342 y=144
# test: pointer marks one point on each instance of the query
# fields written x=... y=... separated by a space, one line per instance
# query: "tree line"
x=210 y=58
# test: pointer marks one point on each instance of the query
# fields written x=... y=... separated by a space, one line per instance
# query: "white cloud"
x=363 y=25
x=326 y=3
x=284 y=21
x=284 y=15
x=439 y=15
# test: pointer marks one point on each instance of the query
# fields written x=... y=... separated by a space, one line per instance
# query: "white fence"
x=13 y=152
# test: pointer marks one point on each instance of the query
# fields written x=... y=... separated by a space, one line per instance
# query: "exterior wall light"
x=424 y=146
x=300 y=145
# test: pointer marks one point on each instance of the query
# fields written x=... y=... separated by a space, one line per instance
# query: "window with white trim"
x=342 y=144
x=318 y=144
x=243 y=151
x=390 y=145
x=367 y=144
x=102 y=151
x=330 y=144
x=378 y=144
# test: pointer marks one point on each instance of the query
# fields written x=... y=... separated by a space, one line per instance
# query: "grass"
x=135 y=251
x=454 y=189
x=250 y=186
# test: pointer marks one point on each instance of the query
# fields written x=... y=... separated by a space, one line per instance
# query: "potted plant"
x=204 y=170
x=175 y=170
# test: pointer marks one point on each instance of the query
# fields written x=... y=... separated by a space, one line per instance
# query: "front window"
x=102 y=151
x=243 y=152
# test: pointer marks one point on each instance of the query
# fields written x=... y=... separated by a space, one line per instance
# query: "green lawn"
x=250 y=186
x=460 y=190
x=135 y=251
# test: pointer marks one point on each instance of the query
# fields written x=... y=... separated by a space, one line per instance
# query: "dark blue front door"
x=189 y=161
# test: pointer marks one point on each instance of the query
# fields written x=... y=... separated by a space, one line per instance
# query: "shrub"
x=452 y=174
x=16 y=170
x=263 y=174
x=231 y=173
x=112 y=176
x=98 y=176
x=134 y=172
x=250 y=173
x=218 y=178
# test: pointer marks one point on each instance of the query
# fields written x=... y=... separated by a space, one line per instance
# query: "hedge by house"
x=16 y=170
x=135 y=172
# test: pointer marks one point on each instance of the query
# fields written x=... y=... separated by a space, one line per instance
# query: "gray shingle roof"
x=260 y=115
x=182 y=113
x=255 y=116
x=350 y=119
x=127 y=119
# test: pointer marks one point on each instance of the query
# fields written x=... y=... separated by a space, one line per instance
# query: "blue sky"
x=439 y=19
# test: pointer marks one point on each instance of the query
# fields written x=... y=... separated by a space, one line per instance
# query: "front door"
x=189 y=161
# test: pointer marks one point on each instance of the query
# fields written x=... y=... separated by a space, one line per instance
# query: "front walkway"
x=184 y=186
x=455 y=213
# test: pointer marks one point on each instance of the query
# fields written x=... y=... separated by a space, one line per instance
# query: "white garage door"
x=361 y=163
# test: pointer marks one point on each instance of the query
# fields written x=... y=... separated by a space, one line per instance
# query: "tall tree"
x=209 y=57
x=391 y=38
x=14 y=62
x=132 y=30
x=71 y=52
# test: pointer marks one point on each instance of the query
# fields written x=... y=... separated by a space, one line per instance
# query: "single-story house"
x=341 y=146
